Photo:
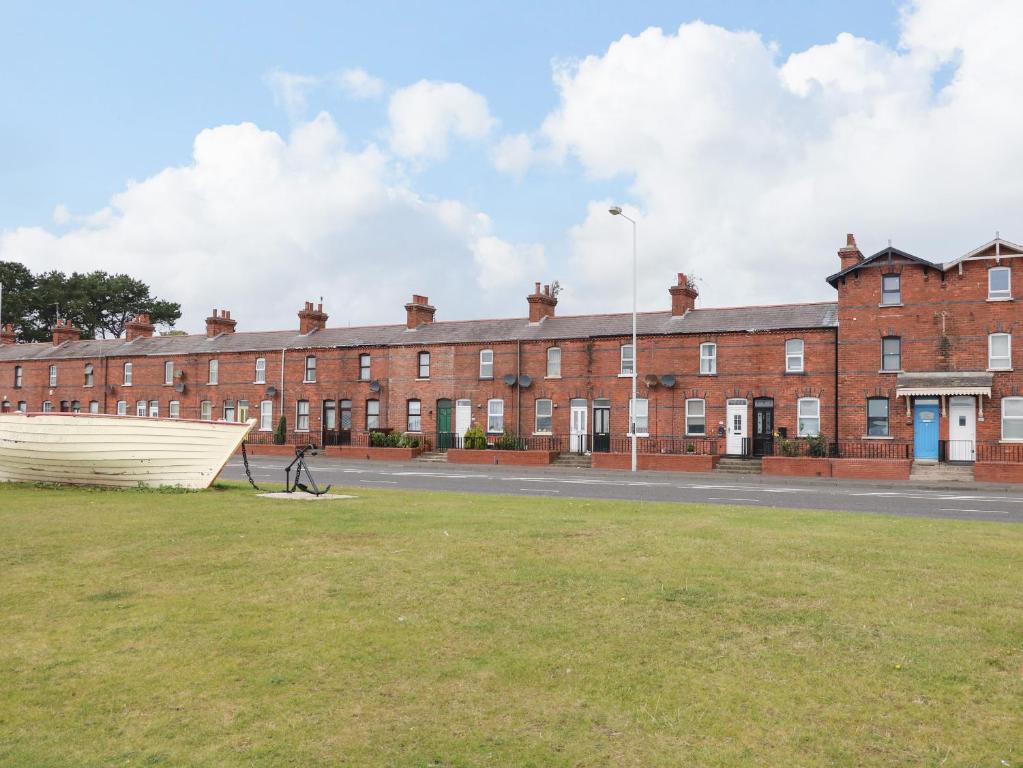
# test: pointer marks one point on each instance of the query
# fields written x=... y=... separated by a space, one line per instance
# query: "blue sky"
x=97 y=97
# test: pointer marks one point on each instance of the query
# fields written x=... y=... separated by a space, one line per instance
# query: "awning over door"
x=937 y=383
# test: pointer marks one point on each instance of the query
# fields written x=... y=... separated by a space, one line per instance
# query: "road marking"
x=539 y=490
x=389 y=482
x=984 y=511
x=719 y=498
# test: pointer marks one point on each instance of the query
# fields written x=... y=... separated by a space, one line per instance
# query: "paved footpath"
x=963 y=501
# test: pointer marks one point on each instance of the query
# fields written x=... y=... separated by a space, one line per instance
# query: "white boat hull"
x=122 y=451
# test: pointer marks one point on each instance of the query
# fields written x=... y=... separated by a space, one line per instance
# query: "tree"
x=99 y=303
x=19 y=285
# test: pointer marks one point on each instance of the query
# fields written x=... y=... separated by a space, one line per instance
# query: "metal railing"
x=1000 y=452
x=668 y=444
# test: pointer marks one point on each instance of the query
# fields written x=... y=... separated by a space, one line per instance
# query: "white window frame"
x=47 y=406
x=690 y=416
x=53 y=376
x=642 y=417
x=708 y=358
x=154 y=409
x=800 y=416
x=420 y=365
x=999 y=295
x=90 y=374
x=372 y=415
x=174 y=409
x=168 y=372
x=22 y=406
x=129 y=372
x=1017 y=420
x=365 y=366
x=495 y=416
x=227 y=411
x=553 y=362
x=548 y=415
x=94 y=406
x=887 y=416
x=206 y=410
x=214 y=372
x=486 y=363
x=122 y=407
x=266 y=416
x=1002 y=362
x=140 y=407
x=241 y=410
x=794 y=359
x=302 y=416
x=628 y=360
x=309 y=375
x=260 y=370
x=19 y=376
x=414 y=411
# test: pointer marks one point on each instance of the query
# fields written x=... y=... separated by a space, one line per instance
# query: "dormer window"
x=999 y=284
x=891 y=289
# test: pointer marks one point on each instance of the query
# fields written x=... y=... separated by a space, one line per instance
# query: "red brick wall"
x=872 y=469
x=797 y=466
x=997 y=472
x=511 y=458
x=656 y=461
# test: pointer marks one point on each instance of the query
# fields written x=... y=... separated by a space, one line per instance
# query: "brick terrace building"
x=914 y=358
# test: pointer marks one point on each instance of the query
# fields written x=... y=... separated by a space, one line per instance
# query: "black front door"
x=601 y=426
x=763 y=426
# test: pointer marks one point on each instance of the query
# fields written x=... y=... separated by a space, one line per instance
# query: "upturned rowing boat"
x=125 y=451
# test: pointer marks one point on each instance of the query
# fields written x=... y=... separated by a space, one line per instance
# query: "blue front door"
x=925 y=430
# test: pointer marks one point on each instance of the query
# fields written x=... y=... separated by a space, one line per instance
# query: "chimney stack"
x=7 y=334
x=419 y=312
x=64 y=331
x=310 y=319
x=541 y=303
x=139 y=328
x=683 y=296
x=850 y=254
x=219 y=322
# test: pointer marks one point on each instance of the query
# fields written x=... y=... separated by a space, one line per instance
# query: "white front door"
x=735 y=427
x=962 y=429
x=463 y=417
x=578 y=433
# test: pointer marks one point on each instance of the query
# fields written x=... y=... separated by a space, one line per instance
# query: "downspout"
x=283 y=353
x=518 y=389
x=106 y=368
x=834 y=397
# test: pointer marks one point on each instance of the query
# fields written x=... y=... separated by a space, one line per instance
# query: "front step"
x=930 y=472
x=433 y=457
x=575 y=460
x=736 y=466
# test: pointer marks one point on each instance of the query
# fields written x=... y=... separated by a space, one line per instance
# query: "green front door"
x=445 y=437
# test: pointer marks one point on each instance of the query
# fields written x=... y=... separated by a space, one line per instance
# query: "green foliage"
x=378 y=439
x=281 y=433
x=474 y=439
x=690 y=448
x=392 y=440
x=508 y=442
x=99 y=303
x=817 y=446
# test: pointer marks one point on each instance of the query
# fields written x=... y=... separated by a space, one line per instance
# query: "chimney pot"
x=849 y=255
x=219 y=322
x=683 y=297
x=419 y=311
x=310 y=319
x=541 y=305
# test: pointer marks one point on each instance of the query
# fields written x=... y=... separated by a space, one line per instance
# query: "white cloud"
x=291 y=90
x=425 y=115
x=749 y=170
x=514 y=154
x=258 y=224
x=61 y=214
x=359 y=84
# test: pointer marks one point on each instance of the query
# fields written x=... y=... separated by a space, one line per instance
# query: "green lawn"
x=404 y=629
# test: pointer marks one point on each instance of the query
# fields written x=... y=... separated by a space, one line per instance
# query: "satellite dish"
x=179 y=387
x=668 y=380
x=271 y=391
x=509 y=379
x=650 y=380
x=525 y=381
x=374 y=386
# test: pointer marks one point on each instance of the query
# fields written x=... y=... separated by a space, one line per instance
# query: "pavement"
x=959 y=501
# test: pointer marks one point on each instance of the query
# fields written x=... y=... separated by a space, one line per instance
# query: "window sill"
x=700 y=436
x=543 y=434
x=621 y=376
x=999 y=370
x=259 y=382
x=486 y=378
x=1011 y=441
x=715 y=373
x=877 y=437
x=1000 y=298
x=559 y=376
x=308 y=381
x=898 y=371
x=888 y=306
x=423 y=378
x=795 y=373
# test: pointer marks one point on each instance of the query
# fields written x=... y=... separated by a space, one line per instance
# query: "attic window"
x=999 y=283
x=891 y=289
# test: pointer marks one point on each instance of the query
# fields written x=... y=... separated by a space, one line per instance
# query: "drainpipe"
x=835 y=393
x=518 y=389
x=283 y=353
x=106 y=379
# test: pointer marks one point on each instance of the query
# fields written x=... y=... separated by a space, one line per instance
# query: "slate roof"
x=889 y=253
x=697 y=321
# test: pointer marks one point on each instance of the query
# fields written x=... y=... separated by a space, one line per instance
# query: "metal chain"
x=248 y=472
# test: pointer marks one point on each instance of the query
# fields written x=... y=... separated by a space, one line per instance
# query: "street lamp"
x=616 y=210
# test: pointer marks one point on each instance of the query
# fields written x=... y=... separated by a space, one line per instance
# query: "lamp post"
x=616 y=210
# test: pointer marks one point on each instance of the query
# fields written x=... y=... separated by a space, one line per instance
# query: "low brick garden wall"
x=872 y=469
x=371 y=453
x=668 y=462
x=998 y=472
x=513 y=458
x=797 y=466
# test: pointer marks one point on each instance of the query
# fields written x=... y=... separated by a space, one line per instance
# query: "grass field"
x=217 y=628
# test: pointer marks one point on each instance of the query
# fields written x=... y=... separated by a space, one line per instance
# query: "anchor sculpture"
x=290 y=487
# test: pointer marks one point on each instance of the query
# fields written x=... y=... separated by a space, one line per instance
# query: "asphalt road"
x=963 y=502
